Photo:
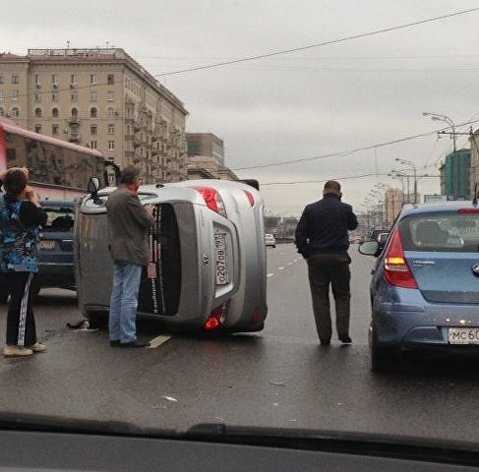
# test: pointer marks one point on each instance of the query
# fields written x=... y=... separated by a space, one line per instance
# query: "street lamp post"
x=445 y=119
x=414 y=168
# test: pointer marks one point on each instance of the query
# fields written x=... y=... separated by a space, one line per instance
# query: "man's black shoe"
x=346 y=340
x=134 y=344
x=115 y=343
x=325 y=342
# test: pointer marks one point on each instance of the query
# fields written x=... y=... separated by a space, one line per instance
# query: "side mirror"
x=369 y=248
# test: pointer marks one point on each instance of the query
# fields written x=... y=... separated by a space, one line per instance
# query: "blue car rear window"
x=443 y=232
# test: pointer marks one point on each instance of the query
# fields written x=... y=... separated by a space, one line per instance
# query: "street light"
x=414 y=168
x=445 y=119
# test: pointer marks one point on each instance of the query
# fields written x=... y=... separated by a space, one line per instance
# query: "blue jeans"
x=124 y=302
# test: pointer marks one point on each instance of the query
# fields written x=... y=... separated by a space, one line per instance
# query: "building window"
x=74 y=97
x=15 y=79
x=54 y=79
x=74 y=112
x=2 y=112
x=38 y=128
x=1 y=79
x=14 y=95
x=111 y=79
x=37 y=79
x=55 y=129
x=2 y=96
x=72 y=79
x=55 y=112
x=111 y=96
x=111 y=112
x=38 y=112
x=94 y=113
x=92 y=79
x=54 y=97
x=38 y=98
x=94 y=144
x=93 y=130
x=93 y=96
x=111 y=145
x=111 y=129
x=15 y=112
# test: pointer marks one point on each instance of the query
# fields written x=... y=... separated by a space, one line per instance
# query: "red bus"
x=59 y=170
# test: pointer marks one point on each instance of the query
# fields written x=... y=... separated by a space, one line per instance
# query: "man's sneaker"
x=134 y=344
x=17 y=351
x=38 y=347
x=346 y=340
x=325 y=342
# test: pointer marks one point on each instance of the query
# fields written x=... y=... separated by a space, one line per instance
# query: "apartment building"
x=100 y=98
x=206 y=144
x=393 y=202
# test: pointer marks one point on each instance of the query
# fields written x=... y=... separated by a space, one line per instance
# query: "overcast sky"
x=298 y=105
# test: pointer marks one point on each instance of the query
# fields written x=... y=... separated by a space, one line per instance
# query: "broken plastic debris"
x=170 y=399
x=278 y=383
x=275 y=404
x=340 y=404
x=292 y=421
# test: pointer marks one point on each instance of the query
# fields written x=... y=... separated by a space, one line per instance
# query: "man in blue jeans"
x=129 y=223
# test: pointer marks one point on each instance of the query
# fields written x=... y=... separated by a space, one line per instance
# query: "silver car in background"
x=207 y=268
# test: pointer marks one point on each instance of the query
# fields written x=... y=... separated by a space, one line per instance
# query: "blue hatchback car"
x=425 y=285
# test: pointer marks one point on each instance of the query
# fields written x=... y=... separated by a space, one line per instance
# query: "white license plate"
x=47 y=245
x=463 y=336
x=222 y=276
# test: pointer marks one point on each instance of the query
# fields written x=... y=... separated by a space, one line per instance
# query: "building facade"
x=206 y=144
x=206 y=165
x=474 y=178
x=100 y=98
x=393 y=202
x=456 y=175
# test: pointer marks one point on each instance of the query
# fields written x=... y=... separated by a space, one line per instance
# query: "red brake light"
x=250 y=197
x=216 y=318
x=396 y=268
x=212 y=199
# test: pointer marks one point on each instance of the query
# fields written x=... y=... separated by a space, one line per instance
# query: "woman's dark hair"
x=15 y=182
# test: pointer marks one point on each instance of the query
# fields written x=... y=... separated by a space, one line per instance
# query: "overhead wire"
x=317 y=45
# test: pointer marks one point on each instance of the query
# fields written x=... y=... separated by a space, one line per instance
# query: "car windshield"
x=442 y=232
x=59 y=219
x=290 y=238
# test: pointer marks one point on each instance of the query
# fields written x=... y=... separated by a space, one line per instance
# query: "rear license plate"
x=49 y=245
x=222 y=276
x=463 y=336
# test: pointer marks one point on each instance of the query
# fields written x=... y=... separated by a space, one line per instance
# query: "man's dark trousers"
x=20 y=320
x=325 y=270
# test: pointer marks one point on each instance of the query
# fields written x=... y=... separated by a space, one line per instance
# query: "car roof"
x=436 y=207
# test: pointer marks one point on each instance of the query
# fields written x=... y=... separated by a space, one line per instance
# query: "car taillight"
x=250 y=197
x=212 y=199
x=468 y=211
x=396 y=268
x=216 y=319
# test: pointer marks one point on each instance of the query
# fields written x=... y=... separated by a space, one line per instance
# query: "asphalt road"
x=279 y=377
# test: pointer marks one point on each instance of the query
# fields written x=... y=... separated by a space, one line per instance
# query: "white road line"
x=270 y=275
x=281 y=268
x=290 y=263
x=158 y=341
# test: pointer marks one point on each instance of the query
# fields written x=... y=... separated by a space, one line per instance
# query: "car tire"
x=383 y=359
x=97 y=320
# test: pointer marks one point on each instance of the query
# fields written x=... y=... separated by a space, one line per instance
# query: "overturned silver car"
x=207 y=266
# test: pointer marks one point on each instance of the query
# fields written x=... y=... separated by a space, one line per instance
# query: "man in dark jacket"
x=322 y=238
x=20 y=221
x=129 y=223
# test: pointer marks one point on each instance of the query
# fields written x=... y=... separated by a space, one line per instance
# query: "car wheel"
x=383 y=359
x=97 y=320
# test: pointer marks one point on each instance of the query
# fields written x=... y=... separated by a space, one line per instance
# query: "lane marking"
x=270 y=275
x=281 y=268
x=158 y=341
